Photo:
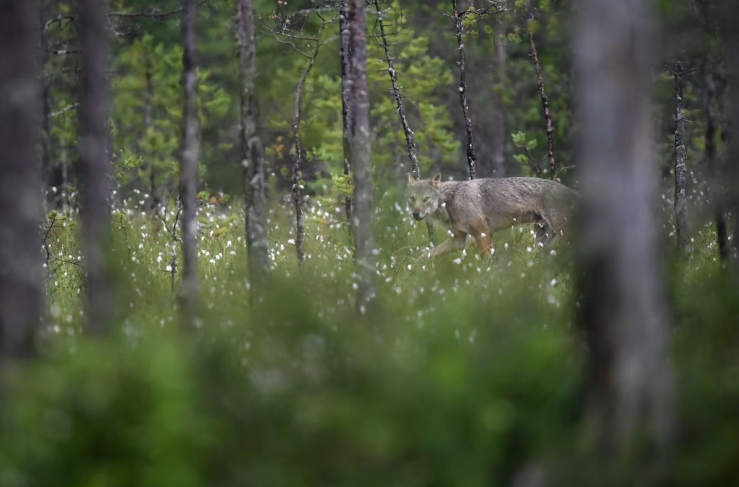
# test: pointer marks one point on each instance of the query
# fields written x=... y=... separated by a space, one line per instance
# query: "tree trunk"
x=361 y=156
x=681 y=219
x=545 y=107
x=345 y=57
x=148 y=100
x=21 y=288
x=45 y=105
x=93 y=165
x=410 y=139
x=298 y=164
x=716 y=187
x=458 y=29
x=499 y=120
x=733 y=149
x=623 y=305
x=189 y=168
x=255 y=201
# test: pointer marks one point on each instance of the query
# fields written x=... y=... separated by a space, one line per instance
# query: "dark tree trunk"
x=361 y=156
x=93 y=164
x=458 y=30
x=409 y=136
x=545 y=107
x=345 y=56
x=410 y=140
x=733 y=142
x=499 y=121
x=189 y=168
x=716 y=187
x=623 y=305
x=681 y=218
x=255 y=201
x=21 y=281
x=46 y=149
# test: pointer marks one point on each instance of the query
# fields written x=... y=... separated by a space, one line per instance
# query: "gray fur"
x=482 y=206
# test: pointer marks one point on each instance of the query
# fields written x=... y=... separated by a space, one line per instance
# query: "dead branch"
x=545 y=105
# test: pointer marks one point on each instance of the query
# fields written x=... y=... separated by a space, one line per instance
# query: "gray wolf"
x=482 y=206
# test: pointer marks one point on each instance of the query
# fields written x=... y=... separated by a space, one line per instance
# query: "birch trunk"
x=189 y=168
x=681 y=218
x=255 y=200
x=361 y=154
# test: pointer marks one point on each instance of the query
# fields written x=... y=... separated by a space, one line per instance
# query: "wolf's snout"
x=417 y=216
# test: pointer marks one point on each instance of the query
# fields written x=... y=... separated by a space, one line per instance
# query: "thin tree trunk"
x=93 y=165
x=471 y=164
x=189 y=168
x=499 y=118
x=623 y=294
x=298 y=164
x=148 y=100
x=21 y=278
x=361 y=156
x=681 y=219
x=345 y=57
x=716 y=187
x=410 y=140
x=545 y=106
x=255 y=201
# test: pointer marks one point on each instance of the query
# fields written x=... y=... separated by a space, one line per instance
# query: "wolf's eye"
x=426 y=199
x=412 y=199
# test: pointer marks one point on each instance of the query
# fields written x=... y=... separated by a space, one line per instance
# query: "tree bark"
x=733 y=149
x=499 y=124
x=410 y=139
x=298 y=164
x=345 y=57
x=716 y=187
x=681 y=218
x=471 y=164
x=148 y=100
x=361 y=156
x=623 y=306
x=46 y=149
x=189 y=286
x=93 y=165
x=545 y=107
x=21 y=279
x=255 y=200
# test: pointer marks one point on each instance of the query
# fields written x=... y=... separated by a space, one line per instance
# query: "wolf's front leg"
x=457 y=242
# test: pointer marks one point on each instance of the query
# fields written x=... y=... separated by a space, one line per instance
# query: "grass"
x=469 y=371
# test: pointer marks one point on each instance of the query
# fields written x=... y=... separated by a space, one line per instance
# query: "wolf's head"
x=423 y=195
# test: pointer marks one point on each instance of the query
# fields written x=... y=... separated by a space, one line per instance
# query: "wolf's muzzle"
x=417 y=216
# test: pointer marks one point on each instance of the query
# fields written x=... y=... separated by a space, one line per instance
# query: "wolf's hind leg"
x=485 y=243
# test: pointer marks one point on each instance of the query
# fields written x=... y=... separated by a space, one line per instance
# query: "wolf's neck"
x=441 y=214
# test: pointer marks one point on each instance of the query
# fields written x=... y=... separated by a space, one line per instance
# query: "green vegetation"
x=469 y=371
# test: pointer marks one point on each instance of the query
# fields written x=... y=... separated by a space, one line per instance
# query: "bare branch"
x=64 y=110
x=154 y=13
x=545 y=107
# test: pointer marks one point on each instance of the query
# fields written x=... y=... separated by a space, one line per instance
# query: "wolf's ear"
x=410 y=179
x=436 y=180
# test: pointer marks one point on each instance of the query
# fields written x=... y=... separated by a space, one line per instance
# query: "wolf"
x=482 y=206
